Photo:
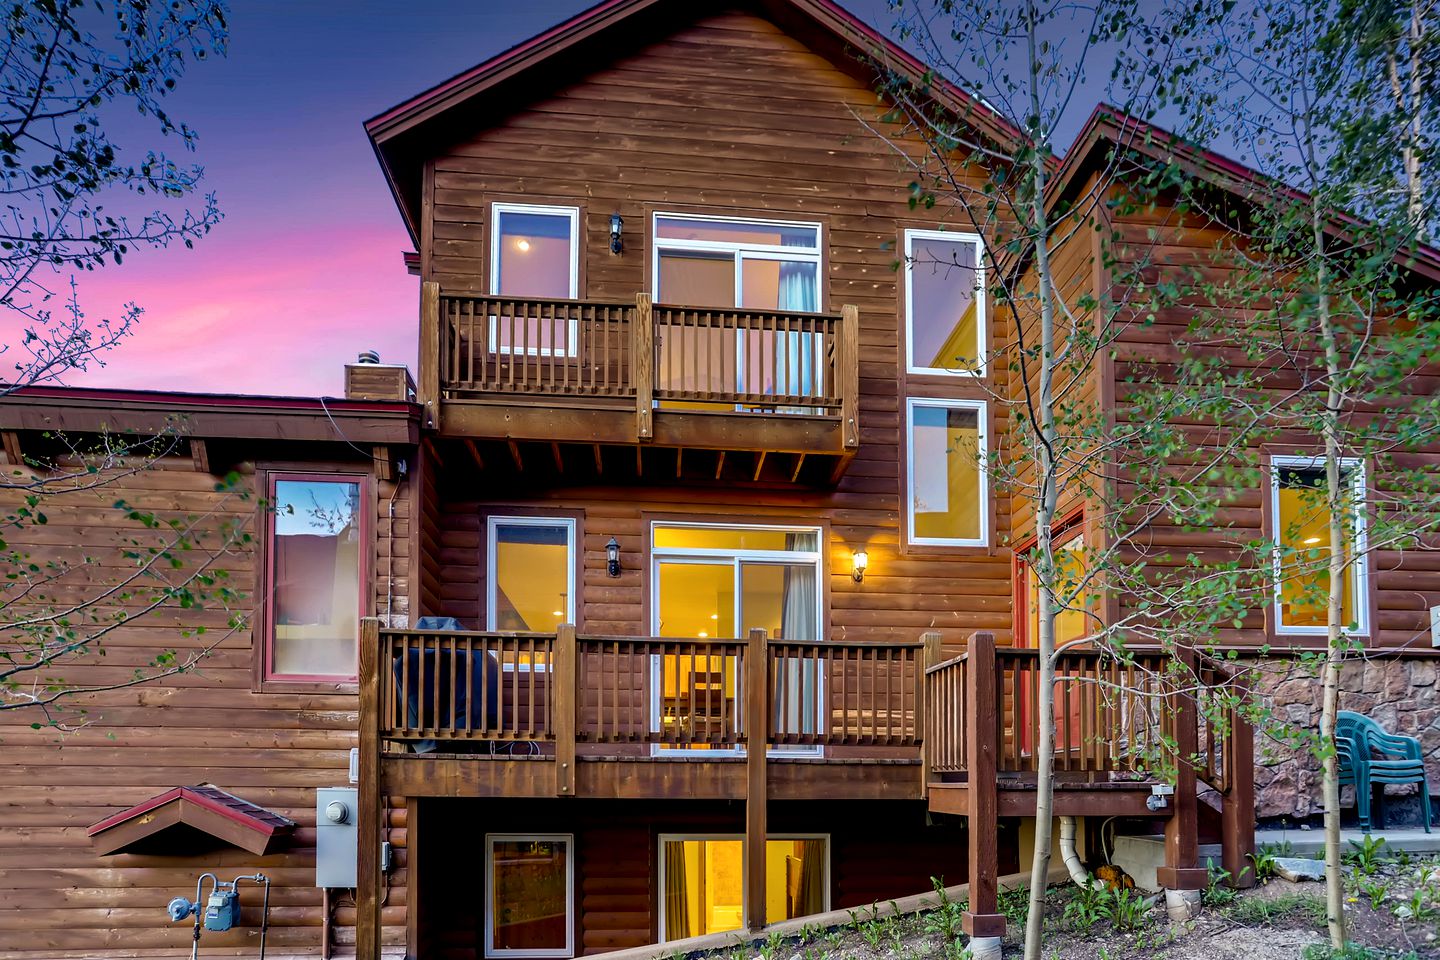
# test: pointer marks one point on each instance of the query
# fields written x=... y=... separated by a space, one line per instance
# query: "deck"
x=749 y=394
x=484 y=714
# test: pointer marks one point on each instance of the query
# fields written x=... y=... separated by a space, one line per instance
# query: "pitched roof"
x=826 y=25
x=204 y=807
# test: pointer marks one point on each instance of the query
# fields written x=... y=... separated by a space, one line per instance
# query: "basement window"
x=1301 y=521
x=316 y=542
x=702 y=882
x=530 y=904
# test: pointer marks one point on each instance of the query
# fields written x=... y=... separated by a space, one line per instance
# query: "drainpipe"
x=1078 y=873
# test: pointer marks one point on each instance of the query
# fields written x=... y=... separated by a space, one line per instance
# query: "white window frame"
x=981 y=409
x=744 y=873
x=1353 y=471
x=716 y=556
x=566 y=838
x=740 y=252
x=572 y=332
x=492 y=584
x=982 y=323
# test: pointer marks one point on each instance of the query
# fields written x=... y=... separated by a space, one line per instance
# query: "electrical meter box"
x=336 y=836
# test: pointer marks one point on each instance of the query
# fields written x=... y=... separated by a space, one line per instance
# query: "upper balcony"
x=775 y=392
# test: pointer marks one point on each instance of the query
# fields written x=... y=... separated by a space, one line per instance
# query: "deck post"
x=982 y=920
x=1182 y=871
x=850 y=375
x=757 y=727
x=642 y=365
x=564 y=707
x=429 y=360
x=414 y=923
x=1237 y=807
x=372 y=809
x=931 y=655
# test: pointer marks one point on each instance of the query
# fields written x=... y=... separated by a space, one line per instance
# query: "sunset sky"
x=305 y=270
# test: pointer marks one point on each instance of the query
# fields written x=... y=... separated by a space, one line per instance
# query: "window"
x=534 y=254
x=317 y=539
x=1301 y=521
x=1077 y=705
x=944 y=303
x=1070 y=624
x=531 y=583
x=717 y=580
x=947 y=502
x=702 y=882
x=531 y=897
x=756 y=264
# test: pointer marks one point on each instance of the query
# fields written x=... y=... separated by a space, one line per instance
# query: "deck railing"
x=1113 y=714
x=445 y=688
x=659 y=356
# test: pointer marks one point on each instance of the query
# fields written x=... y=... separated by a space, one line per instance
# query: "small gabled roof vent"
x=204 y=808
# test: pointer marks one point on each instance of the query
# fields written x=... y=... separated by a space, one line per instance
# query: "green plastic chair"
x=1368 y=756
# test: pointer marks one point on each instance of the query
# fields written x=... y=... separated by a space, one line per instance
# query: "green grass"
x=1290 y=907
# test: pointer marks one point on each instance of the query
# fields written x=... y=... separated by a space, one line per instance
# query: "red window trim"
x=267 y=653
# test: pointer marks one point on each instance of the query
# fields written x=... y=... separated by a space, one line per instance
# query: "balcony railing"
x=652 y=357
x=450 y=689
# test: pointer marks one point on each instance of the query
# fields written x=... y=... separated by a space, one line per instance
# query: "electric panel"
x=336 y=836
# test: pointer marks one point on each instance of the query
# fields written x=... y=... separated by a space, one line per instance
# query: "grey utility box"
x=336 y=836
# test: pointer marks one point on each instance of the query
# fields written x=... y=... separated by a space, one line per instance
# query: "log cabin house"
x=667 y=600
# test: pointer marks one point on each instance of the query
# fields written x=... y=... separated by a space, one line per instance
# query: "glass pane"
x=1070 y=564
x=697 y=280
x=794 y=879
x=944 y=318
x=695 y=599
x=530 y=907
x=316 y=577
x=737 y=232
x=734 y=539
x=1303 y=533
x=780 y=598
x=945 y=473
x=532 y=577
x=534 y=255
x=778 y=285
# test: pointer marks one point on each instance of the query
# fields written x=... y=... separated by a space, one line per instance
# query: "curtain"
x=677 y=895
x=305 y=578
x=810 y=896
x=798 y=622
x=797 y=353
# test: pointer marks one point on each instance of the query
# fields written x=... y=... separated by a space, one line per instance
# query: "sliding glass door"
x=702 y=882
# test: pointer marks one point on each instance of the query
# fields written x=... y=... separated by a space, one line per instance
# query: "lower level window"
x=532 y=895
x=702 y=882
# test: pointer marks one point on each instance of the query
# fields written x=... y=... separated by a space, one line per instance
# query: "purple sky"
x=305 y=269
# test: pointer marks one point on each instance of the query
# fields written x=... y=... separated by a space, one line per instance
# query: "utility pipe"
x=1078 y=873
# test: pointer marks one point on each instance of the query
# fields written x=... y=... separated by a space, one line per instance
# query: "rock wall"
x=1399 y=693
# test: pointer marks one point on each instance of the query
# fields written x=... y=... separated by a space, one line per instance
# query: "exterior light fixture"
x=612 y=557
x=861 y=560
x=616 y=225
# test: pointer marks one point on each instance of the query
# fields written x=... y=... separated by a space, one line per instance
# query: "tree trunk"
x=1339 y=505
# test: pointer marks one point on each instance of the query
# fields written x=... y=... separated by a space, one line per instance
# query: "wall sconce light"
x=616 y=225
x=861 y=560
x=612 y=557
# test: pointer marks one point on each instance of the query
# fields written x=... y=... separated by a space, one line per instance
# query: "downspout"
x=1078 y=873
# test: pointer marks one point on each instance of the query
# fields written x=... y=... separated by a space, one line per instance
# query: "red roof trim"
x=208 y=797
x=93 y=394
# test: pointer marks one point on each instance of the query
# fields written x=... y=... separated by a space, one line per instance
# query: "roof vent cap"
x=368 y=356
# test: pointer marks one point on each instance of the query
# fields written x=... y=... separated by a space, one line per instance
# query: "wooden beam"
x=639 y=461
x=599 y=459
x=759 y=464
x=642 y=366
x=719 y=464
x=559 y=460
x=565 y=699
x=1182 y=851
x=850 y=376
x=982 y=680
x=200 y=455
x=384 y=465
x=799 y=462
x=679 y=462
x=415 y=895
x=757 y=727
x=429 y=359
x=434 y=452
x=372 y=809
x=1237 y=806
x=515 y=455
x=475 y=454
x=11 y=442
